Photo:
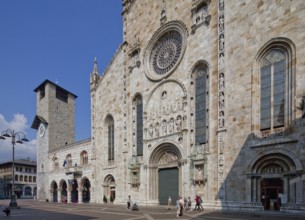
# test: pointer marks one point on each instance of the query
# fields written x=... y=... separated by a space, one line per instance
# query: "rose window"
x=166 y=52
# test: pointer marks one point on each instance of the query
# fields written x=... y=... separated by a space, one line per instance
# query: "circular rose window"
x=165 y=50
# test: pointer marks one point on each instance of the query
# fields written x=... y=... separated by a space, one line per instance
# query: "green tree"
x=104 y=199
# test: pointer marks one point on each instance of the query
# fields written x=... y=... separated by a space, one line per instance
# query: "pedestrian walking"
x=189 y=204
x=181 y=206
x=185 y=203
x=128 y=202
x=169 y=203
x=197 y=205
x=200 y=203
x=178 y=207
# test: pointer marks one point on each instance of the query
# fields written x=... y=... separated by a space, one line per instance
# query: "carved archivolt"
x=165 y=154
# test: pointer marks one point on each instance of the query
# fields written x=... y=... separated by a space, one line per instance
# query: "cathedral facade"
x=203 y=97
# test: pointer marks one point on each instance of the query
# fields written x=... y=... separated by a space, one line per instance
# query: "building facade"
x=203 y=97
x=25 y=179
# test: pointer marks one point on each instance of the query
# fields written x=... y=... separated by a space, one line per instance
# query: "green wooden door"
x=168 y=185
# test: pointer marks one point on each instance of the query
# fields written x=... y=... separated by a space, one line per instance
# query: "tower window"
x=61 y=94
x=42 y=93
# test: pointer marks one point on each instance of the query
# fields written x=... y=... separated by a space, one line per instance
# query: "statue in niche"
x=221 y=5
x=220 y=161
x=157 y=130
x=198 y=173
x=221 y=42
x=164 y=127
x=220 y=137
x=178 y=123
x=171 y=126
x=221 y=119
x=221 y=82
x=221 y=23
x=221 y=100
x=221 y=61
x=151 y=131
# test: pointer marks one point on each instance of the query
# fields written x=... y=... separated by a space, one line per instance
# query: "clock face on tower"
x=41 y=130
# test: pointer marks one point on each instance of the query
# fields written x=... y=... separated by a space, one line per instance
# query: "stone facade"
x=206 y=91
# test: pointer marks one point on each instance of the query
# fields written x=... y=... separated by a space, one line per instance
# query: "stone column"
x=59 y=196
x=69 y=195
x=80 y=195
x=249 y=188
x=50 y=197
x=299 y=193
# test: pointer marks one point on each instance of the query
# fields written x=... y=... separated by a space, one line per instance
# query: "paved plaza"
x=36 y=210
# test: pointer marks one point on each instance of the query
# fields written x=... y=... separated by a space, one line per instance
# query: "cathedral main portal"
x=168 y=185
x=165 y=173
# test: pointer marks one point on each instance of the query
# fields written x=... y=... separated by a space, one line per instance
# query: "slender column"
x=59 y=196
x=80 y=195
x=69 y=195
x=50 y=197
x=298 y=189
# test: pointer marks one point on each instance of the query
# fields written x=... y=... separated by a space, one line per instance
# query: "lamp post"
x=16 y=137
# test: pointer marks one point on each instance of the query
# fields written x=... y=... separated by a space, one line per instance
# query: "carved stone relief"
x=165 y=112
x=200 y=14
x=168 y=158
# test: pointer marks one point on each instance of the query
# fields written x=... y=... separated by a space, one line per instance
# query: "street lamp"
x=16 y=137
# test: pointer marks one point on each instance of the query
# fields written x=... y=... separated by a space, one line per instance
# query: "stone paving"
x=36 y=210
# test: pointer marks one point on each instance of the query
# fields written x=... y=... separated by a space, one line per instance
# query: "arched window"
x=276 y=79
x=34 y=179
x=84 y=158
x=200 y=75
x=139 y=124
x=30 y=179
x=68 y=160
x=110 y=136
x=25 y=178
x=273 y=78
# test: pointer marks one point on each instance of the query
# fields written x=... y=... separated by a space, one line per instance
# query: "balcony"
x=76 y=170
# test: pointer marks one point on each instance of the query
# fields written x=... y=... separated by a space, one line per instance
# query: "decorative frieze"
x=221 y=100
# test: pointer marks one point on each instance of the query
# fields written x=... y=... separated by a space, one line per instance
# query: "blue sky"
x=56 y=40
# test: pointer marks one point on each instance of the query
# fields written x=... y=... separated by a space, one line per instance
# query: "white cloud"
x=22 y=151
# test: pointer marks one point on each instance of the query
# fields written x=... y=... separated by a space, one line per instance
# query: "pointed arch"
x=138 y=123
x=109 y=124
x=274 y=86
x=199 y=100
